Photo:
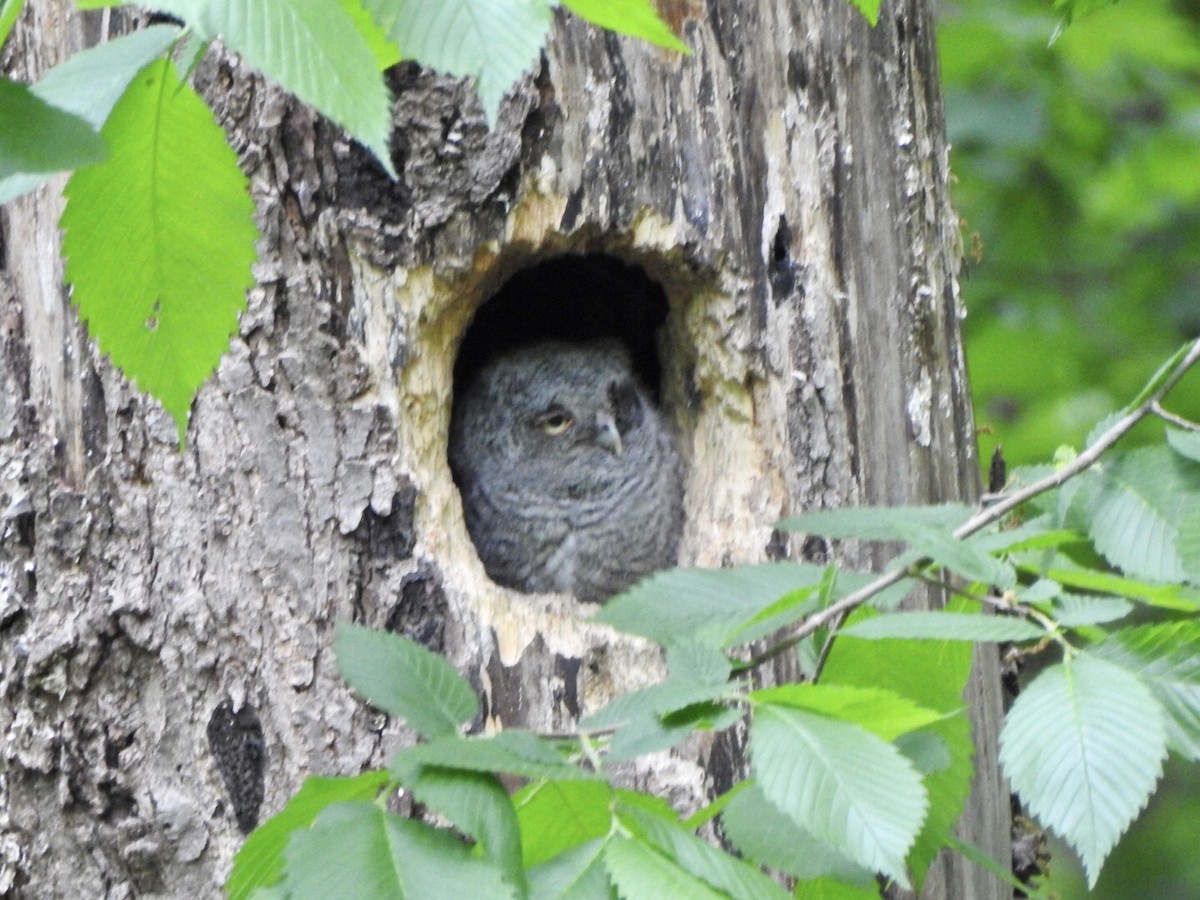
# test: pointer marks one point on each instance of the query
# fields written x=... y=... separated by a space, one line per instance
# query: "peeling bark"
x=166 y=618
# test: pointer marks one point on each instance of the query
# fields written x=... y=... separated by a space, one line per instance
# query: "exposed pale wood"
x=785 y=184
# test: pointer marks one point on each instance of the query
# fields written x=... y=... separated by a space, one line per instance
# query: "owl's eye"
x=555 y=422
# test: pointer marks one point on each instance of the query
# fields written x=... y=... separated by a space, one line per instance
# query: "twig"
x=997 y=511
x=1177 y=421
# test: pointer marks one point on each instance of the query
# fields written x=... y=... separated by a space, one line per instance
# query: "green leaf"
x=9 y=10
x=1167 y=369
x=841 y=782
x=652 y=733
x=312 y=48
x=89 y=83
x=936 y=625
x=575 y=874
x=1083 y=746
x=769 y=837
x=1185 y=443
x=159 y=239
x=478 y=806
x=357 y=850
x=512 y=751
x=715 y=867
x=37 y=137
x=884 y=713
x=637 y=18
x=260 y=861
x=1176 y=597
x=710 y=605
x=639 y=871
x=869 y=9
x=1077 y=610
x=386 y=53
x=934 y=675
x=878 y=523
x=1167 y=659
x=557 y=816
x=961 y=557
x=404 y=679
x=493 y=41
x=829 y=889
x=1135 y=514
x=653 y=701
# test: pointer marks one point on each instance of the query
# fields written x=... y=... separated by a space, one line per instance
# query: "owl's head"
x=554 y=406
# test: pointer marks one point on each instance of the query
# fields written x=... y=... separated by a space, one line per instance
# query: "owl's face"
x=568 y=418
x=569 y=476
x=578 y=421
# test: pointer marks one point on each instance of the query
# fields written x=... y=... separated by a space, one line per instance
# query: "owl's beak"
x=607 y=435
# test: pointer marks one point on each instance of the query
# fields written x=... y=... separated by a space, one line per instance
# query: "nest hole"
x=574 y=298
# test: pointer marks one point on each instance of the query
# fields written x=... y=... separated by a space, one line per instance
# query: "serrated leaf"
x=357 y=851
x=259 y=863
x=948 y=626
x=385 y=52
x=639 y=871
x=1135 y=514
x=877 y=523
x=310 y=47
x=714 y=867
x=653 y=701
x=961 y=556
x=652 y=734
x=1037 y=534
x=159 y=239
x=1083 y=746
x=637 y=18
x=709 y=605
x=37 y=137
x=884 y=713
x=1187 y=541
x=1167 y=659
x=769 y=837
x=515 y=752
x=556 y=816
x=404 y=679
x=575 y=874
x=90 y=82
x=934 y=675
x=842 y=783
x=493 y=41
x=478 y=806
x=1164 y=596
x=1078 y=610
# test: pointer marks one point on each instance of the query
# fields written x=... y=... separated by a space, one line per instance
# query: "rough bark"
x=166 y=617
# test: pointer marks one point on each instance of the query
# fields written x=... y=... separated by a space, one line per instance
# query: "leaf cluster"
x=159 y=226
x=858 y=773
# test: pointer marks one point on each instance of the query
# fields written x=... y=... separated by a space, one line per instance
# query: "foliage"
x=1074 y=157
x=158 y=227
x=851 y=784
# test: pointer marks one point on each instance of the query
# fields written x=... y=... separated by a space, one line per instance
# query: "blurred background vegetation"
x=1076 y=153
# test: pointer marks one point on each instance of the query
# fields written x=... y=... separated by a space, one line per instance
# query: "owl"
x=569 y=476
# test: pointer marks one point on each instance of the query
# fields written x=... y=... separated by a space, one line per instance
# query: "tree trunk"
x=166 y=617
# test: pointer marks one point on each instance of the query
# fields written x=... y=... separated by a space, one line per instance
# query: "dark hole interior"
x=574 y=298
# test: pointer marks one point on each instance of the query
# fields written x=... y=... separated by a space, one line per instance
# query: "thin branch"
x=1176 y=420
x=997 y=511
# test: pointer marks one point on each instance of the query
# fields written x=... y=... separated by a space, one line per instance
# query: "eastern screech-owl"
x=569 y=476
